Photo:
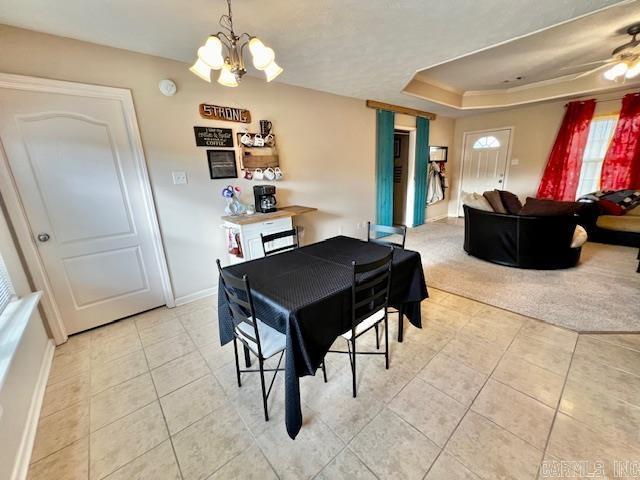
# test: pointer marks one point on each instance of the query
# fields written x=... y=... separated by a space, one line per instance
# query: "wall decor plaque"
x=227 y=114
x=213 y=137
x=222 y=164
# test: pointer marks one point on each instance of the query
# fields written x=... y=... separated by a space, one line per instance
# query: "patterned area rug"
x=602 y=294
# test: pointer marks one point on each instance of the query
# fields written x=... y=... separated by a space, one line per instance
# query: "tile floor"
x=478 y=393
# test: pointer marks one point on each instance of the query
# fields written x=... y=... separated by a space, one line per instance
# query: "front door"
x=484 y=161
x=74 y=163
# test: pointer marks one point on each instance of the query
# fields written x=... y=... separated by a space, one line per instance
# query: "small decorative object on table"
x=234 y=206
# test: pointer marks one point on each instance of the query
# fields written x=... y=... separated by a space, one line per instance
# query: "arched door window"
x=486 y=142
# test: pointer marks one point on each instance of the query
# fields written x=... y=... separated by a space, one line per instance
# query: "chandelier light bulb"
x=618 y=70
x=211 y=53
x=272 y=71
x=227 y=77
x=202 y=70
x=262 y=56
x=224 y=51
x=634 y=70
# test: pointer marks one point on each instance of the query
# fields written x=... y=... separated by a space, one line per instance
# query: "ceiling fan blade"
x=571 y=67
x=593 y=70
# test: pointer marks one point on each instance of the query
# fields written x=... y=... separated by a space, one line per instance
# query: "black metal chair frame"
x=387 y=230
x=370 y=302
x=395 y=230
x=243 y=311
x=293 y=233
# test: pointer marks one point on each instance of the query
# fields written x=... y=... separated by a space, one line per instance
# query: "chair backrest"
x=237 y=291
x=370 y=288
x=379 y=234
x=293 y=234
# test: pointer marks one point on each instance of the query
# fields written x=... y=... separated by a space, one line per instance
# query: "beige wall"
x=535 y=130
x=326 y=144
x=22 y=379
x=441 y=131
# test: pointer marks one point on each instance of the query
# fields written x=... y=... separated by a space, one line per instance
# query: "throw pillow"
x=493 y=197
x=579 y=237
x=536 y=207
x=611 y=208
x=477 y=201
x=511 y=202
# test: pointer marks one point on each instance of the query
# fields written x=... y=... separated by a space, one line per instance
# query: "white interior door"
x=74 y=164
x=484 y=161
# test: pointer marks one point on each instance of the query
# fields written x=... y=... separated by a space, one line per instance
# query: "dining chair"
x=387 y=231
x=369 y=302
x=379 y=234
x=293 y=234
x=258 y=337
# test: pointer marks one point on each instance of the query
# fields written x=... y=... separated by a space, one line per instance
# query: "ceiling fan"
x=624 y=62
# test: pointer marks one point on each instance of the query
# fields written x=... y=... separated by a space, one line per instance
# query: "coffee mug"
x=270 y=174
x=246 y=140
x=258 y=174
x=278 y=173
x=265 y=127
x=248 y=175
x=258 y=141
x=270 y=140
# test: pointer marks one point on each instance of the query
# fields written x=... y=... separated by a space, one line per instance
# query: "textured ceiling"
x=359 y=48
x=560 y=50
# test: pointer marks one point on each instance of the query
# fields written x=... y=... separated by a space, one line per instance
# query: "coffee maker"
x=265 y=198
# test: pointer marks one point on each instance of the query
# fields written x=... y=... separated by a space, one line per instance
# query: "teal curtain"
x=422 y=162
x=384 y=167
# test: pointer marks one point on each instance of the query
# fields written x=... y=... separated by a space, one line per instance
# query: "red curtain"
x=621 y=166
x=562 y=173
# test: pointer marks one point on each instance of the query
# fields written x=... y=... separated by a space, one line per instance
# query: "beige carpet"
x=602 y=294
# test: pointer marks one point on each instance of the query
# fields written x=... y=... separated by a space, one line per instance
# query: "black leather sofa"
x=542 y=243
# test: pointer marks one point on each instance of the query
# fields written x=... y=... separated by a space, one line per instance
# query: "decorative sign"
x=437 y=153
x=213 y=137
x=228 y=114
x=222 y=164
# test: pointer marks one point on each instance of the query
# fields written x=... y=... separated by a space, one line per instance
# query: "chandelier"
x=231 y=61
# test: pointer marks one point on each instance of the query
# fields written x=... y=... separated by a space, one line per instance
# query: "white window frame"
x=7 y=292
x=594 y=153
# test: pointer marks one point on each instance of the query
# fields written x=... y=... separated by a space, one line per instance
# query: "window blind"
x=6 y=288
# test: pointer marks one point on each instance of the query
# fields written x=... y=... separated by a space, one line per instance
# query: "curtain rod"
x=605 y=99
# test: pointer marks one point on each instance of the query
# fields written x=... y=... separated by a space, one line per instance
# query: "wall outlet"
x=358 y=226
x=340 y=230
x=515 y=161
x=179 y=178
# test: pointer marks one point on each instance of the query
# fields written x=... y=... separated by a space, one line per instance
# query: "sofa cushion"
x=537 y=207
x=579 y=237
x=511 y=202
x=493 y=197
x=477 y=201
x=624 y=223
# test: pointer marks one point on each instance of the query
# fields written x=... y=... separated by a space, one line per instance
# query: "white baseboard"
x=439 y=217
x=23 y=458
x=192 y=297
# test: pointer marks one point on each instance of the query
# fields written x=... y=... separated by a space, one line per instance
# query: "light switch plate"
x=179 y=178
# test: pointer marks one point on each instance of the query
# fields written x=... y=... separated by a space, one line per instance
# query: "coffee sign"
x=213 y=137
x=227 y=114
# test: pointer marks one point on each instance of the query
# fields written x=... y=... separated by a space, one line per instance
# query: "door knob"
x=43 y=237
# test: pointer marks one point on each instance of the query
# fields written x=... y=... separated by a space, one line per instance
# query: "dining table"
x=305 y=293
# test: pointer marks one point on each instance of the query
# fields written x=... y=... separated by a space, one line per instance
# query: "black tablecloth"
x=306 y=294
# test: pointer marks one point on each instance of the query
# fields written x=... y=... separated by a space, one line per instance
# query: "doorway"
x=400 y=176
x=80 y=189
x=485 y=162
